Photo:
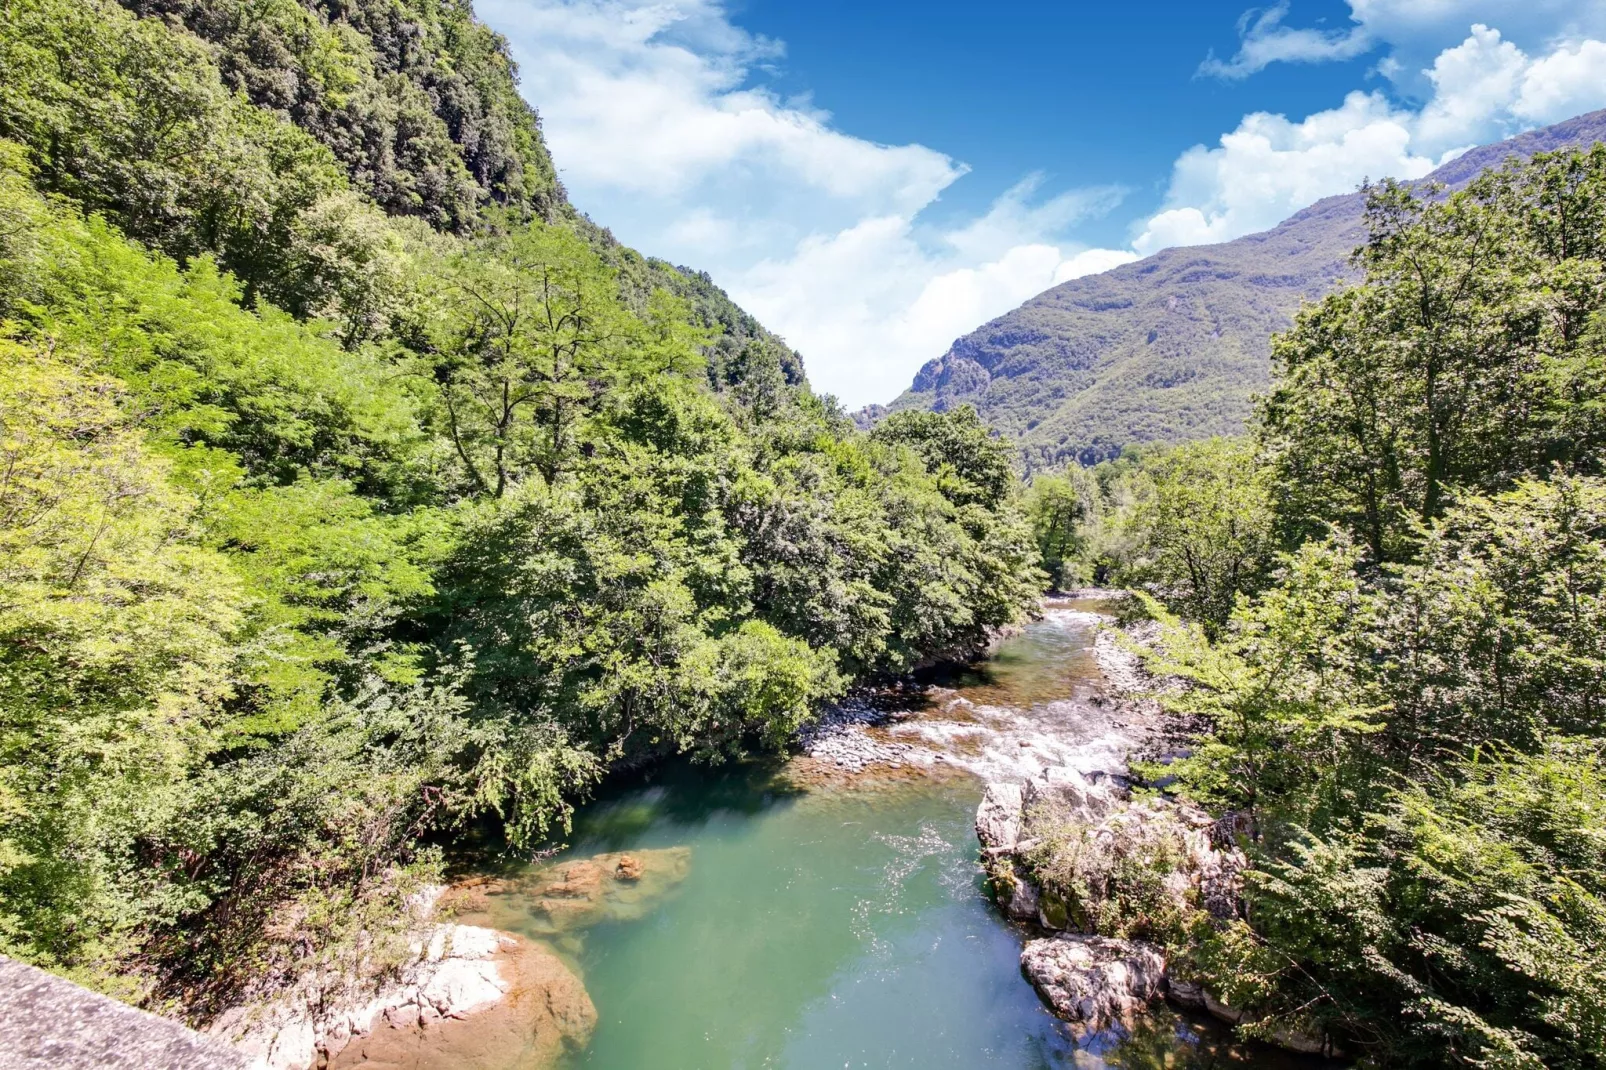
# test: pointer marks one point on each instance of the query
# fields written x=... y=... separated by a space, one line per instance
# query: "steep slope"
x=417 y=101
x=1174 y=346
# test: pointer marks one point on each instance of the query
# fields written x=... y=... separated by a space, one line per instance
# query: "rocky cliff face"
x=1169 y=348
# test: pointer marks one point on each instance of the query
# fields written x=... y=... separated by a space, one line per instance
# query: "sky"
x=874 y=179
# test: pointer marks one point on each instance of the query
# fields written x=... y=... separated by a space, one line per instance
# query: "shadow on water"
x=680 y=796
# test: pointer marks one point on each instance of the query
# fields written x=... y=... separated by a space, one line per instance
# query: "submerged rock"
x=1093 y=981
x=579 y=893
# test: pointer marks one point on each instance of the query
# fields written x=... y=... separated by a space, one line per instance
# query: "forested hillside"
x=1384 y=612
x=356 y=494
x=1170 y=348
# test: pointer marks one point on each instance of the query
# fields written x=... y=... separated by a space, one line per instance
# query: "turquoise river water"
x=834 y=921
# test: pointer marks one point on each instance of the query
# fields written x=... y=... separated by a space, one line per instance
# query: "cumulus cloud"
x=1270 y=167
x=1411 y=32
x=1565 y=83
x=878 y=297
x=1481 y=89
x=659 y=134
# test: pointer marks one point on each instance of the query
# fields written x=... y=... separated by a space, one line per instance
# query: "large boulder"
x=544 y=1011
x=458 y=972
x=1093 y=981
x=1099 y=848
x=998 y=818
x=1067 y=793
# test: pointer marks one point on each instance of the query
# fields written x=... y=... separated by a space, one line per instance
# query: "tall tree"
x=1445 y=368
x=526 y=334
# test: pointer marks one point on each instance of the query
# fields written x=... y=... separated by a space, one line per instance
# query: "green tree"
x=525 y=337
x=1286 y=694
x=1443 y=369
x=1055 y=512
x=115 y=657
x=1205 y=525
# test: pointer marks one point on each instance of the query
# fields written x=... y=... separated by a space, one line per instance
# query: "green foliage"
x=130 y=119
x=1495 y=633
x=972 y=466
x=1205 y=520
x=1464 y=927
x=1411 y=708
x=1192 y=525
x=115 y=633
x=325 y=535
x=416 y=99
x=522 y=340
x=1056 y=515
x=1284 y=692
x=1453 y=363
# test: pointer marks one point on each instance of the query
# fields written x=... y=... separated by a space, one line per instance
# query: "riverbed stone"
x=457 y=971
x=1024 y=900
x=1093 y=981
x=578 y=893
x=1067 y=792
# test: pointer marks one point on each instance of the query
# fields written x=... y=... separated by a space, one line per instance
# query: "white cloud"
x=1411 y=31
x=658 y=134
x=1482 y=89
x=1563 y=84
x=1269 y=168
x=1264 y=40
x=1474 y=85
x=877 y=302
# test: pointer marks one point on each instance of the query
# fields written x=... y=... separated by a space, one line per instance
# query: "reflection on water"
x=832 y=928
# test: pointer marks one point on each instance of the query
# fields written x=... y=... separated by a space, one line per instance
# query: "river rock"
x=1068 y=794
x=998 y=818
x=458 y=971
x=544 y=1011
x=1093 y=981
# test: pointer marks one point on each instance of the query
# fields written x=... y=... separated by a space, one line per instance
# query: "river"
x=829 y=920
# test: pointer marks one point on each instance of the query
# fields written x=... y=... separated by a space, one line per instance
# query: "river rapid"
x=813 y=915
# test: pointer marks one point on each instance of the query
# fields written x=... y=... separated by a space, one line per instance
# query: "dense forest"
x=357 y=494
x=1386 y=609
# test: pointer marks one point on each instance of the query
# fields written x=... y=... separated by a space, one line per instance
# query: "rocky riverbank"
x=1068 y=855
x=1073 y=857
x=469 y=994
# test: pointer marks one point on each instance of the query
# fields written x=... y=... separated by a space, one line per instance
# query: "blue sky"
x=1027 y=87
x=875 y=179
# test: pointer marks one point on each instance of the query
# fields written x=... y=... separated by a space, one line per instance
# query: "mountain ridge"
x=1174 y=346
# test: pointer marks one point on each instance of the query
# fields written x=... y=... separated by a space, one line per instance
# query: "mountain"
x=1174 y=346
x=417 y=102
